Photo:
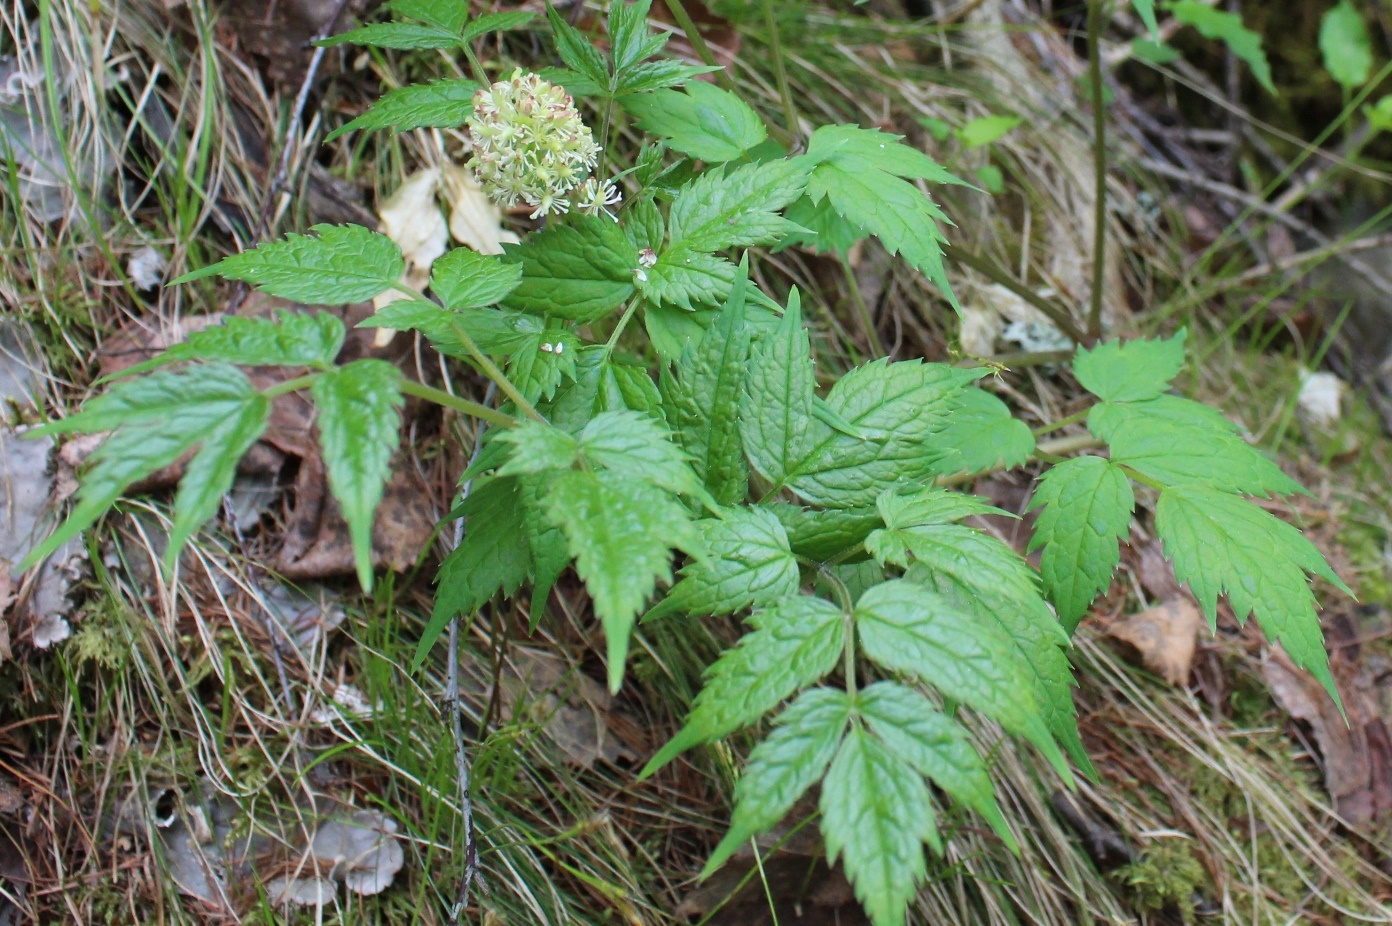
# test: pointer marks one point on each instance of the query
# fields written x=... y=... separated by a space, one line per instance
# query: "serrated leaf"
x=825 y=229
x=982 y=434
x=907 y=628
x=1105 y=417
x=404 y=36
x=576 y=51
x=745 y=563
x=359 y=429
x=1177 y=455
x=1086 y=509
x=925 y=506
x=537 y=447
x=658 y=75
x=899 y=409
x=792 y=644
x=776 y=422
x=876 y=815
x=935 y=745
x=871 y=149
x=539 y=366
x=1227 y=27
x=579 y=271
x=628 y=33
x=704 y=398
x=447 y=14
x=822 y=535
x=1130 y=372
x=157 y=419
x=292 y=339
x=492 y=556
x=1222 y=544
x=636 y=446
x=688 y=279
x=623 y=386
x=780 y=769
x=705 y=121
x=545 y=540
x=344 y=263
x=493 y=331
x=735 y=208
x=497 y=22
x=621 y=533
x=670 y=329
x=465 y=279
x=438 y=104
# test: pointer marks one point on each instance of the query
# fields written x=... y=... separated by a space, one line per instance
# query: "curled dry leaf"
x=475 y=221
x=1165 y=636
x=412 y=218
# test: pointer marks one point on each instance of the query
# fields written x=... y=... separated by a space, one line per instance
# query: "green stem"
x=1142 y=479
x=781 y=72
x=490 y=369
x=464 y=406
x=843 y=597
x=993 y=273
x=871 y=335
x=290 y=385
x=1046 y=451
x=475 y=66
x=1099 y=157
x=623 y=323
x=1062 y=422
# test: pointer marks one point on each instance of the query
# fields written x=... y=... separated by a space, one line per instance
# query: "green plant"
x=728 y=456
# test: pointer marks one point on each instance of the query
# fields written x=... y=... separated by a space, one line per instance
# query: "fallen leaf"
x=475 y=221
x=1165 y=636
x=1346 y=768
x=1320 y=402
x=411 y=217
x=980 y=327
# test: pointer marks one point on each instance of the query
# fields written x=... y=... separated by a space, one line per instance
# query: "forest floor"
x=170 y=752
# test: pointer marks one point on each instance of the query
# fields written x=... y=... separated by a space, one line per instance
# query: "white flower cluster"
x=531 y=146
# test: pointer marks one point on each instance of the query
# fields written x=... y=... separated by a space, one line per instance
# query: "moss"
x=1167 y=874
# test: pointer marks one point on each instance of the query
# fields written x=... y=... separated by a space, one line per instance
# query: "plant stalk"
x=981 y=265
x=1095 y=25
x=464 y=406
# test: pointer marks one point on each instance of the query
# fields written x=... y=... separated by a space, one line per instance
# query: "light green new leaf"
x=1346 y=46
x=1105 y=418
x=580 y=270
x=1179 y=455
x=359 y=429
x=1087 y=504
x=703 y=400
x=540 y=364
x=776 y=408
x=492 y=556
x=658 y=75
x=794 y=643
x=537 y=447
x=1222 y=544
x=637 y=447
x=822 y=535
x=1227 y=27
x=860 y=149
x=576 y=51
x=404 y=36
x=157 y=419
x=735 y=208
x=745 y=563
x=344 y=263
x=465 y=279
x=978 y=133
x=621 y=533
x=688 y=279
x=876 y=815
x=827 y=231
x=438 y=104
x=982 y=434
x=905 y=627
x=628 y=33
x=447 y=14
x=936 y=745
x=293 y=339
x=790 y=760
x=897 y=411
x=705 y=121
x=1130 y=372
x=493 y=331
x=920 y=506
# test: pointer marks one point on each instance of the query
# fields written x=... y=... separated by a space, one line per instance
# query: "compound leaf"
x=438 y=104
x=776 y=409
x=496 y=22
x=735 y=208
x=1105 y=418
x=876 y=815
x=1130 y=372
x=293 y=339
x=580 y=270
x=1179 y=455
x=790 y=760
x=1087 y=504
x=1222 y=544
x=824 y=534
x=403 y=36
x=576 y=51
x=359 y=429
x=794 y=643
x=620 y=532
x=344 y=263
x=982 y=434
x=465 y=279
x=746 y=562
x=537 y=447
x=704 y=121
x=638 y=447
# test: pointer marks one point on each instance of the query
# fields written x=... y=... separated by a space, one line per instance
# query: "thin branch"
x=1099 y=165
